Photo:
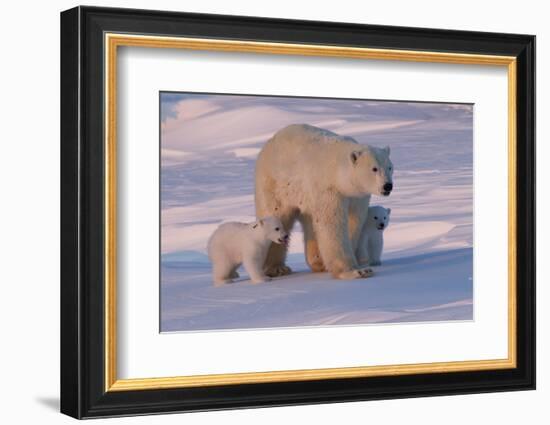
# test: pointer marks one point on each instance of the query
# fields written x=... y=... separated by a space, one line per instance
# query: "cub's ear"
x=258 y=223
x=354 y=156
x=387 y=150
x=388 y=210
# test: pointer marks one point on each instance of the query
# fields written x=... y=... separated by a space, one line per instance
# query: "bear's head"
x=370 y=171
x=378 y=217
x=272 y=229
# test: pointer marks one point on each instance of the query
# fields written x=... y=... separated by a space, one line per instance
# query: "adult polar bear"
x=324 y=180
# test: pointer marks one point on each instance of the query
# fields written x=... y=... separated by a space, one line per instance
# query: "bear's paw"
x=361 y=273
x=278 y=270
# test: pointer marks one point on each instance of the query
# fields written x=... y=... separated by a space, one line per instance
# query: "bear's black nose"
x=388 y=187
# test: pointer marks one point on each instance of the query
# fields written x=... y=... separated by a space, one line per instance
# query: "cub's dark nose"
x=388 y=187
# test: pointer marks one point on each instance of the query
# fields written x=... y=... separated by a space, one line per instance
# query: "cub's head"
x=272 y=229
x=378 y=218
x=372 y=170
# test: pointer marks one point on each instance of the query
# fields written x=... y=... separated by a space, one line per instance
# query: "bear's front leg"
x=331 y=228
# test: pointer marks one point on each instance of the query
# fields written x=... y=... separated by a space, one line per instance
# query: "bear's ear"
x=354 y=156
x=388 y=211
x=387 y=150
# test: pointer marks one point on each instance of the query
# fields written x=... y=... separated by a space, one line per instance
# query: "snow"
x=209 y=147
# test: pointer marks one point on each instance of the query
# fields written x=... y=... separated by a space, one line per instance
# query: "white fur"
x=233 y=244
x=371 y=242
x=325 y=181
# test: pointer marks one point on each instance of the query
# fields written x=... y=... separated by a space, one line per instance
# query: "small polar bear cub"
x=233 y=244
x=377 y=221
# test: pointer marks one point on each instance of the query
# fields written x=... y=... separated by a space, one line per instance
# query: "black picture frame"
x=83 y=392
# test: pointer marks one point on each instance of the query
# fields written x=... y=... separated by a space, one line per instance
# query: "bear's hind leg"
x=267 y=205
x=313 y=255
x=274 y=265
x=234 y=274
x=275 y=262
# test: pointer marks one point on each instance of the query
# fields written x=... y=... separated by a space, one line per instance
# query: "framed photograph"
x=261 y=212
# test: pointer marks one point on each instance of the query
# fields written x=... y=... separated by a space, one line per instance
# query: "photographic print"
x=251 y=214
x=294 y=212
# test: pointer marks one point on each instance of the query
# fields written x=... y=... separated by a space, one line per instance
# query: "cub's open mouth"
x=386 y=193
x=284 y=241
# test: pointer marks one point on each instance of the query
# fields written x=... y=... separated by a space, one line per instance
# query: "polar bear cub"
x=233 y=244
x=372 y=237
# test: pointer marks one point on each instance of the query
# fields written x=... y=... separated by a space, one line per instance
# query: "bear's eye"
x=384 y=218
x=390 y=168
x=276 y=229
x=376 y=218
x=375 y=169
